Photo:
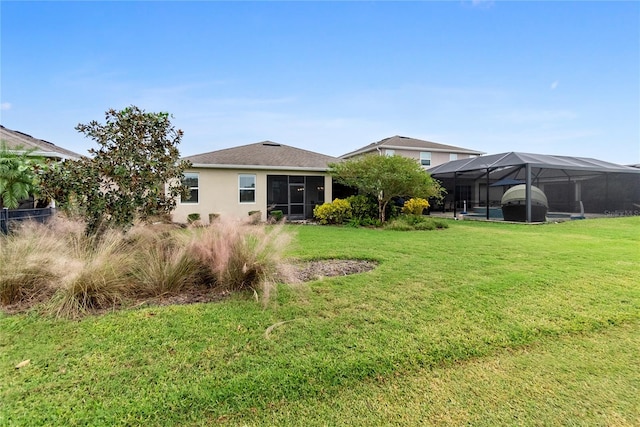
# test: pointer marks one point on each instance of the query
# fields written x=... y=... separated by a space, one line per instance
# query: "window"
x=190 y=180
x=295 y=195
x=425 y=158
x=453 y=156
x=389 y=152
x=247 y=186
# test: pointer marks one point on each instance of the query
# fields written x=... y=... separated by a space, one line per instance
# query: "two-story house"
x=428 y=153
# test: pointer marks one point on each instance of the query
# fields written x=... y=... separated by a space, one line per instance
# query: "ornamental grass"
x=62 y=271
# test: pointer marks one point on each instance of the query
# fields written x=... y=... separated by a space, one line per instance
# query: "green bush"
x=427 y=225
x=399 y=225
x=277 y=215
x=193 y=217
x=336 y=212
x=363 y=208
x=416 y=222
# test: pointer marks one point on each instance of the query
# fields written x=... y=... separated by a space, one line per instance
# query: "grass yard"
x=477 y=324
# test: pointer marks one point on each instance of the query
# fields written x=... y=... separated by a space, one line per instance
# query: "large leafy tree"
x=134 y=174
x=386 y=177
x=18 y=175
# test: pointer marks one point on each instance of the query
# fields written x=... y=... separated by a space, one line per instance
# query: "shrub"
x=416 y=222
x=427 y=225
x=399 y=225
x=415 y=206
x=277 y=215
x=193 y=217
x=363 y=208
x=336 y=212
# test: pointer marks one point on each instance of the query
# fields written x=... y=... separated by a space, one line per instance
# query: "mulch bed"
x=313 y=270
x=299 y=272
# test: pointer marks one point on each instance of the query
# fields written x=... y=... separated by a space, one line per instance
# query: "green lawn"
x=479 y=324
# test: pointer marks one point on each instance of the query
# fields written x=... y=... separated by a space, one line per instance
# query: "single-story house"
x=428 y=153
x=262 y=177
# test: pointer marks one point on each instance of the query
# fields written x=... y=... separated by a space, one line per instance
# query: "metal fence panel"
x=7 y=217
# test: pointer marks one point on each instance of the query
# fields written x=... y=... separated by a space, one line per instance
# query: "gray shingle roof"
x=18 y=140
x=404 y=142
x=263 y=155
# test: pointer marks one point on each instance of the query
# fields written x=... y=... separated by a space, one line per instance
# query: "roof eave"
x=48 y=154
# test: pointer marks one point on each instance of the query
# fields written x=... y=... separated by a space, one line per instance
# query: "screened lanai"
x=572 y=185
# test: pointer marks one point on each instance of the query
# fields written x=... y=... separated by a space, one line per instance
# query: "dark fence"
x=7 y=217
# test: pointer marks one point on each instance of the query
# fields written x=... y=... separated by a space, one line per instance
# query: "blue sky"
x=541 y=77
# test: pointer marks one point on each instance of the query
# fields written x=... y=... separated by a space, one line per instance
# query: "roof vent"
x=271 y=144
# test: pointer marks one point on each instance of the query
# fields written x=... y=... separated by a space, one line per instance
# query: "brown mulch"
x=298 y=272
x=313 y=270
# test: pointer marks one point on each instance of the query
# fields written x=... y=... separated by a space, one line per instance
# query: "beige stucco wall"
x=219 y=193
x=437 y=157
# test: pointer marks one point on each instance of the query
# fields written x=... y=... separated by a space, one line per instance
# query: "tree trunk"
x=382 y=207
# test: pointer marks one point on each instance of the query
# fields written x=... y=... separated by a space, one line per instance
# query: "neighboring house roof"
x=18 y=140
x=406 y=143
x=263 y=155
x=505 y=163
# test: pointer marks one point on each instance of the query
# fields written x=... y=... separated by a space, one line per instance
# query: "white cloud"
x=554 y=85
x=5 y=106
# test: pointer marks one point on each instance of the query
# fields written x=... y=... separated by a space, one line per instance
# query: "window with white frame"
x=247 y=187
x=425 y=158
x=453 y=156
x=191 y=181
x=389 y=152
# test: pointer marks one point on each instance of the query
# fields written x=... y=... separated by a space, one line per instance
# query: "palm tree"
x=18 y=178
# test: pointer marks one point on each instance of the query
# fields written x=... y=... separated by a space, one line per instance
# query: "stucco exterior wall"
x=218 y=192
x=437 y=157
